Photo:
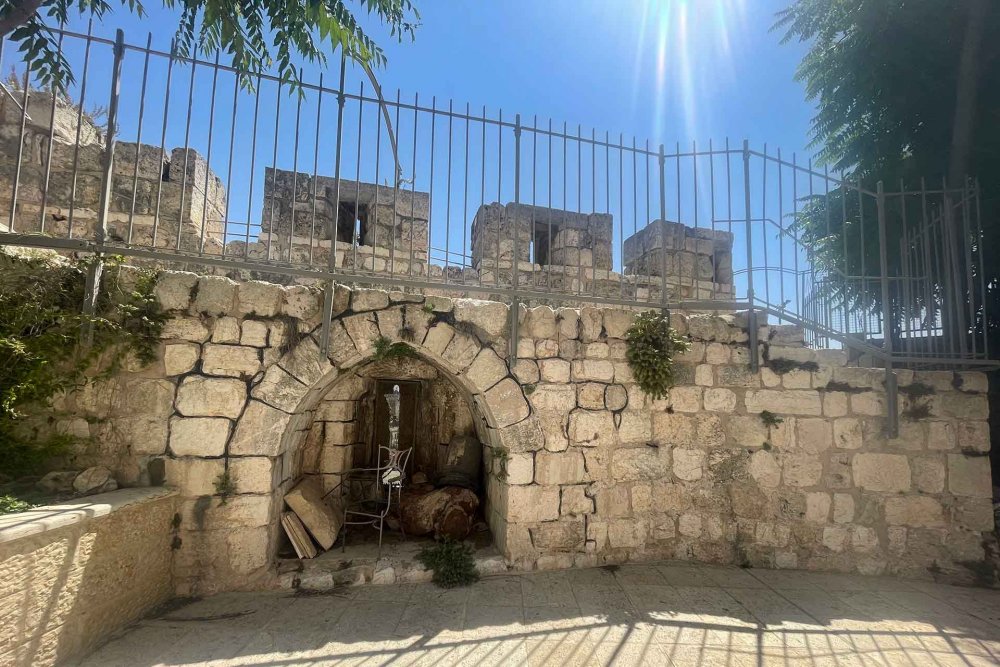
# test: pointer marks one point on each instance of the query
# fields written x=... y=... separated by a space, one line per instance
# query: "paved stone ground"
x=670 y=614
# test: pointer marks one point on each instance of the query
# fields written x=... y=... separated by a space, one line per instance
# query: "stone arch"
x=473 y=359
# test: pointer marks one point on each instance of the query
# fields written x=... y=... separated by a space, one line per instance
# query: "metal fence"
x=200 y=163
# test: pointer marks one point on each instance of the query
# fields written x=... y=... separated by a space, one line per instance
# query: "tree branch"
x=20 y=12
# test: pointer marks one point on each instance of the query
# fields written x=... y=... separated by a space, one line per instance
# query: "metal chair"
x=372 y=508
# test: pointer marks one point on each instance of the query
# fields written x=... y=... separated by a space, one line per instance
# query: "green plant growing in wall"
x=225 y=486
x=651 y=347
x=41 y=319
x=385 y=349
x=451 y=562
x=770 y=419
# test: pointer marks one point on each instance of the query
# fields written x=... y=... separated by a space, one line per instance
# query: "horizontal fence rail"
x=331 y=181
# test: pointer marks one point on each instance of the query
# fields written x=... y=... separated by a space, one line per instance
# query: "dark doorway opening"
x=352 y=222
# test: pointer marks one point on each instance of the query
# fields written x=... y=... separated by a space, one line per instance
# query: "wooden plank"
x=297 y=535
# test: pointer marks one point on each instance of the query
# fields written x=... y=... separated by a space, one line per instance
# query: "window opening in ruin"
x=540 y=243
x=352 y=222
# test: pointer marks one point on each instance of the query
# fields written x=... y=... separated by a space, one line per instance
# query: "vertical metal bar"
x=395 y=199
x=163 y=147
x=138 y=134
x=79 y=127
x=48 y=148
x=430 y=189
x=96 y=268
x=515 y=306
x=892 y=413
x=274 y=172
x=331 y=261
x=187 y=143
x=295 y=171
x=229 y=164
x=752 y=315
x=354 y=241
x=982 y=273
x=711 y=187
x=413 y=185
x=208 y=154
x=663 y=233
x=447 y=207
x=465 y=186
x=20 y=147
x=314 y=185
x=967 y=248
x=253 y=165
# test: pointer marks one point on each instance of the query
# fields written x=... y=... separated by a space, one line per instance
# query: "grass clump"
x=385 y=349
x=12 y=504
x=451 y=563
x=770 y=419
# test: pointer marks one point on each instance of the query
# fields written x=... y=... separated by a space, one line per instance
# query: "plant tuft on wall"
x=385 y=349
x=652 y=345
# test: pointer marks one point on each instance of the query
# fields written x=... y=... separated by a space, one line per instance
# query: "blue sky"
x=671 y=71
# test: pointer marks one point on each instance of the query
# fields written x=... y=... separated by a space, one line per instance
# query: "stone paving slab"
x=670 y=614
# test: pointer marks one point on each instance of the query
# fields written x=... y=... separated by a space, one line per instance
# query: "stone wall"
x=72 y=574
x=596 y=471
x=175 y=192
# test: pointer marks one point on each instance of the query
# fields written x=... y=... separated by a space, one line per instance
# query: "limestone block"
x=575 y=501
x=597 y=351
x=817 y=507
x=617 y=322
x=540 y=322
x=615 y=397
x=305 y=303
x=969 y=475
x=591 y=324
x=254 y=333
x=704 y=375
x=629 y=533
x=971 y=381
x=634 y=427
x=686 y=399
x=390 y=323
x=720 y=400
x=689 y=464
x=868 y=403
x=813 y=435
x=521 y=468
x=179 y=358
x=914 y=511
x=526 y=504
x=553 y=397
x=709 y=431
x=259 y=431
x=593 y=370
x=847 y=433
x=306 y=500
x=305 y=363
x=843 y=508
x=259 y=298
x=252 y=474
x=801 y=470
x=736 y=376
x=558 y=536
x=335 y=411
x=230 y=360
x=487 y=318
x=211 y=397
x=363 y=331
x=198 y=436
x=928 y=474
x=547 y=349
x=888 y=473
x=835 y=538
x=438 y=337
x=941 y=435
x=568 y=320
x=226 y=330
x=784 y=402
x=834 y=404
x=746 y=431
x=590 y=396
x=662 y=528
x=764 y=469
x=975 y=514
x=623 y=373
x=193 y=477
x=796 y=379
x=717 y=353
x=363 y=300
x=590 y=428
x=962 y=406
x=673 y=429
x=553 y=427
x=974 y=436
x=526 y=371
x=184 y=328
x=279 y=389
x=771 y=534
x=689 y=525
x=559 y=468
x=216 y=295
x=638 y=463
x=507 y=402
x=486 y=369
x=173 y=289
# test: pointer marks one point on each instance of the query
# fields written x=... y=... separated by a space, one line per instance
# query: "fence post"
x=664 y=301
x=751 y=313
x=92 y=287
x=515 y=304
x=891 y=386
x=331 y=260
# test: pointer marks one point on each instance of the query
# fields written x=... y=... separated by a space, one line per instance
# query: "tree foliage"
x=889 y=79
x=254 y=34
x=40 y=327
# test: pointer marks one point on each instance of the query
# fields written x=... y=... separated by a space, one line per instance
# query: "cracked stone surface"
x=673 y=613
